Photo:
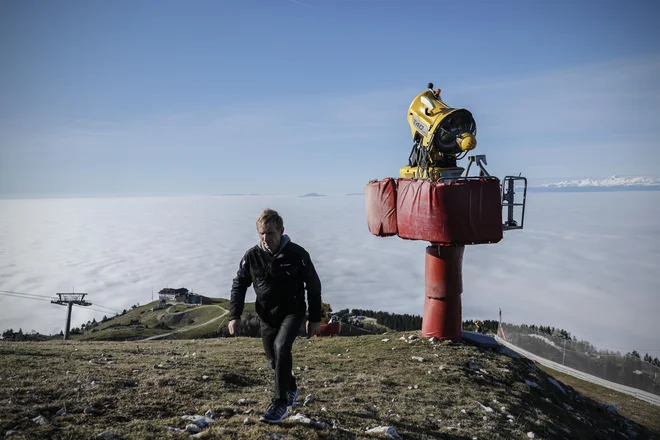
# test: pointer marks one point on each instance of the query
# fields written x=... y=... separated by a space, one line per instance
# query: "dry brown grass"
x=136 y=389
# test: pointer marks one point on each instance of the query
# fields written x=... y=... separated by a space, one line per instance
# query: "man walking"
x=279 y=271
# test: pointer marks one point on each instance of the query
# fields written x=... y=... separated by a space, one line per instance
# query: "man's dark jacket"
x=279 y=281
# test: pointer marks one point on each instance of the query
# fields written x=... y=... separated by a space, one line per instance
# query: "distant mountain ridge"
x=611 y=183
x=312 y=195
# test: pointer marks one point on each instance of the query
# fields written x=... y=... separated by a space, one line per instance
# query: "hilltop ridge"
x=416 y=387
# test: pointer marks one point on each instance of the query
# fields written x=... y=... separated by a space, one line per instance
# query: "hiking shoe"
x=276 y=412
x=291 y=396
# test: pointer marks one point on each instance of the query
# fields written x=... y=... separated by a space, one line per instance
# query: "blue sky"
x=284 y=96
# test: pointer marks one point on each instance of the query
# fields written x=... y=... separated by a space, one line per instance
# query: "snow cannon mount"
x=437 y=201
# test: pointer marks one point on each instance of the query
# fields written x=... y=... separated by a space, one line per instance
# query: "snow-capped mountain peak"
x=610 y=182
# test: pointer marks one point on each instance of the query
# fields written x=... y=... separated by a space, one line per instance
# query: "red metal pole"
x=444 y=285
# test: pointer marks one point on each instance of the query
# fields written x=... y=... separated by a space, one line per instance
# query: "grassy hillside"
x=184 y=321
x=141 y=390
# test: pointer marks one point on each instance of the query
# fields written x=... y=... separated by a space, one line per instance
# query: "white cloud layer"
x=585 y=262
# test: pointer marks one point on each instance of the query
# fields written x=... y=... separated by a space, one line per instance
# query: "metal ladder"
x=508 y=201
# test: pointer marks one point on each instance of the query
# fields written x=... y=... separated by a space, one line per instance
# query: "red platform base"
x=442 y=317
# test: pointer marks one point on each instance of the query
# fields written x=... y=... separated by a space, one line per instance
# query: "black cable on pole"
x=105 y=307
x=34 y=296
x=21 y=293
x=23 y=297
x=89 y=308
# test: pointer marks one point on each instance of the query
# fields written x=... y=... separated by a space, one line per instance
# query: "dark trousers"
x=278 y=341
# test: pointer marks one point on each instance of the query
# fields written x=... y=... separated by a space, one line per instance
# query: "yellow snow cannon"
x=441 y=136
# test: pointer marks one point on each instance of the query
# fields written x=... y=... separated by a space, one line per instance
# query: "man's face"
x=271 y=237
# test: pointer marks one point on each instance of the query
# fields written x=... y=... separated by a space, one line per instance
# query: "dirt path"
x=185 y=329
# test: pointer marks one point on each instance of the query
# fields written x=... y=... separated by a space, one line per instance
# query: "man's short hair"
x=270 y=217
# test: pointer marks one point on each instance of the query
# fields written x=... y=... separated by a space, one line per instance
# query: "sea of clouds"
x=585 y=262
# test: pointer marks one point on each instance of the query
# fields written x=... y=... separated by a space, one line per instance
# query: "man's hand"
x=313 y=328
x=234 y=326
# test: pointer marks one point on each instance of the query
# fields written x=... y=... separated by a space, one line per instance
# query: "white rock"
x=191 y=427
x=417 y=358
x=384 y=340
x=201 y=421
x=485 y=408
x=248 y=421
x=41 y=420
x=300 y=418
x=530 y=434
x=205 y=377
x=389 y=431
